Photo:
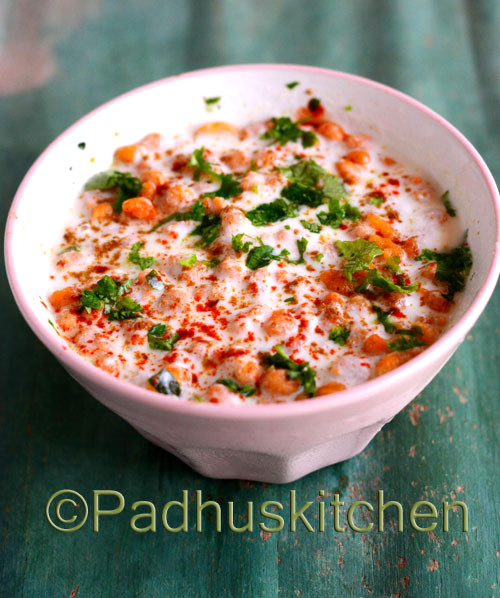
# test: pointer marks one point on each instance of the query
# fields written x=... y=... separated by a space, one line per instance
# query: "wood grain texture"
x=446 y=444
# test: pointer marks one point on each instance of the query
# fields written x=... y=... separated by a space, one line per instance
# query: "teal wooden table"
x=60 y=59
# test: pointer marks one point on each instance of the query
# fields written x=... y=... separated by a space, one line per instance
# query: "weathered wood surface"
x=445 y=445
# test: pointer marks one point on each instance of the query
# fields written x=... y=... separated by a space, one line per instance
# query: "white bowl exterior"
x=262 y=450
x=217 y=446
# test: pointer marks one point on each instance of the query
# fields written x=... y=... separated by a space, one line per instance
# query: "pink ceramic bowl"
x=272 y=443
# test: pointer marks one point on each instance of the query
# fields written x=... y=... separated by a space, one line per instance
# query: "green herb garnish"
x=54 y=327
x=383 y=318
x=238 y=243
x=196 y=213
x=265 y=213
x=314 y=227
x=314 y=104
x=392 y=264
x=109 y=293
x=284 y=130
x=357 y=255
x=200 y=164
x=447 y=204
x=157 y=340
x=295 y=370
x=213 y=263
x=376 y=279
x=301 y=195
x=211 y=101
x=135 y=258
x=208 y=229
x=339 y=335
x=188 y=262
x=229 y=187
x=290 y=300
x=246 y=390
x=453 y=268
x=262 y=255
x=70 y=248
x=376 y=198
x=301 y=246
x=82 y=145
x=319 y=257
x=292 y=84
x=128 y=186
x=165 y=383
x=124 y=309
x=405 y=342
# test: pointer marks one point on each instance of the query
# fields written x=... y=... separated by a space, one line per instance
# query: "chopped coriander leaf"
x=348 y=108
x=292 y=84
x=404 y=343
x=309 y=138
x=357 y=254
x=238 y=243
x=301 y=246
x=447 y=204
x=284 y=130
x=314 y=104
x=333 y=188
x=124 y=309
x=70 y=248
x=392 y=264
x=82 y=145
x=413 y=331
x=351 y=212
x=254 y=189
x=196 y=213
x=334 y=216
x=290 y=300
x=453 y=268
x=229 y=187
x=246 y=390
x=339 y=335
x=261 y=256
x=287 y=227
x=154 y=281
x=135 y=258
x=54 y=327
x=128 y=186
x=390 y=327
x=201 y=165
x=376 y=198
x=209 y=101
x=208 y=229
x=383 y=318
x=376 y=279
x=319 y=257
x=189 y=262
x=307 y=173
x=301 y=195
x=157 y=340
x=265 y=213
x=314 y=227
x=106 y=291
x=90 y=301
x=295 y=370
x=312 y=185
x=165 y=383
x=213 y=263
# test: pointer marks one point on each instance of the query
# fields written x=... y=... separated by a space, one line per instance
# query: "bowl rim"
x=355 y=397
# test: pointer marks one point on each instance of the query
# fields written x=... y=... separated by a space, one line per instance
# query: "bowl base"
x=225 y=463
